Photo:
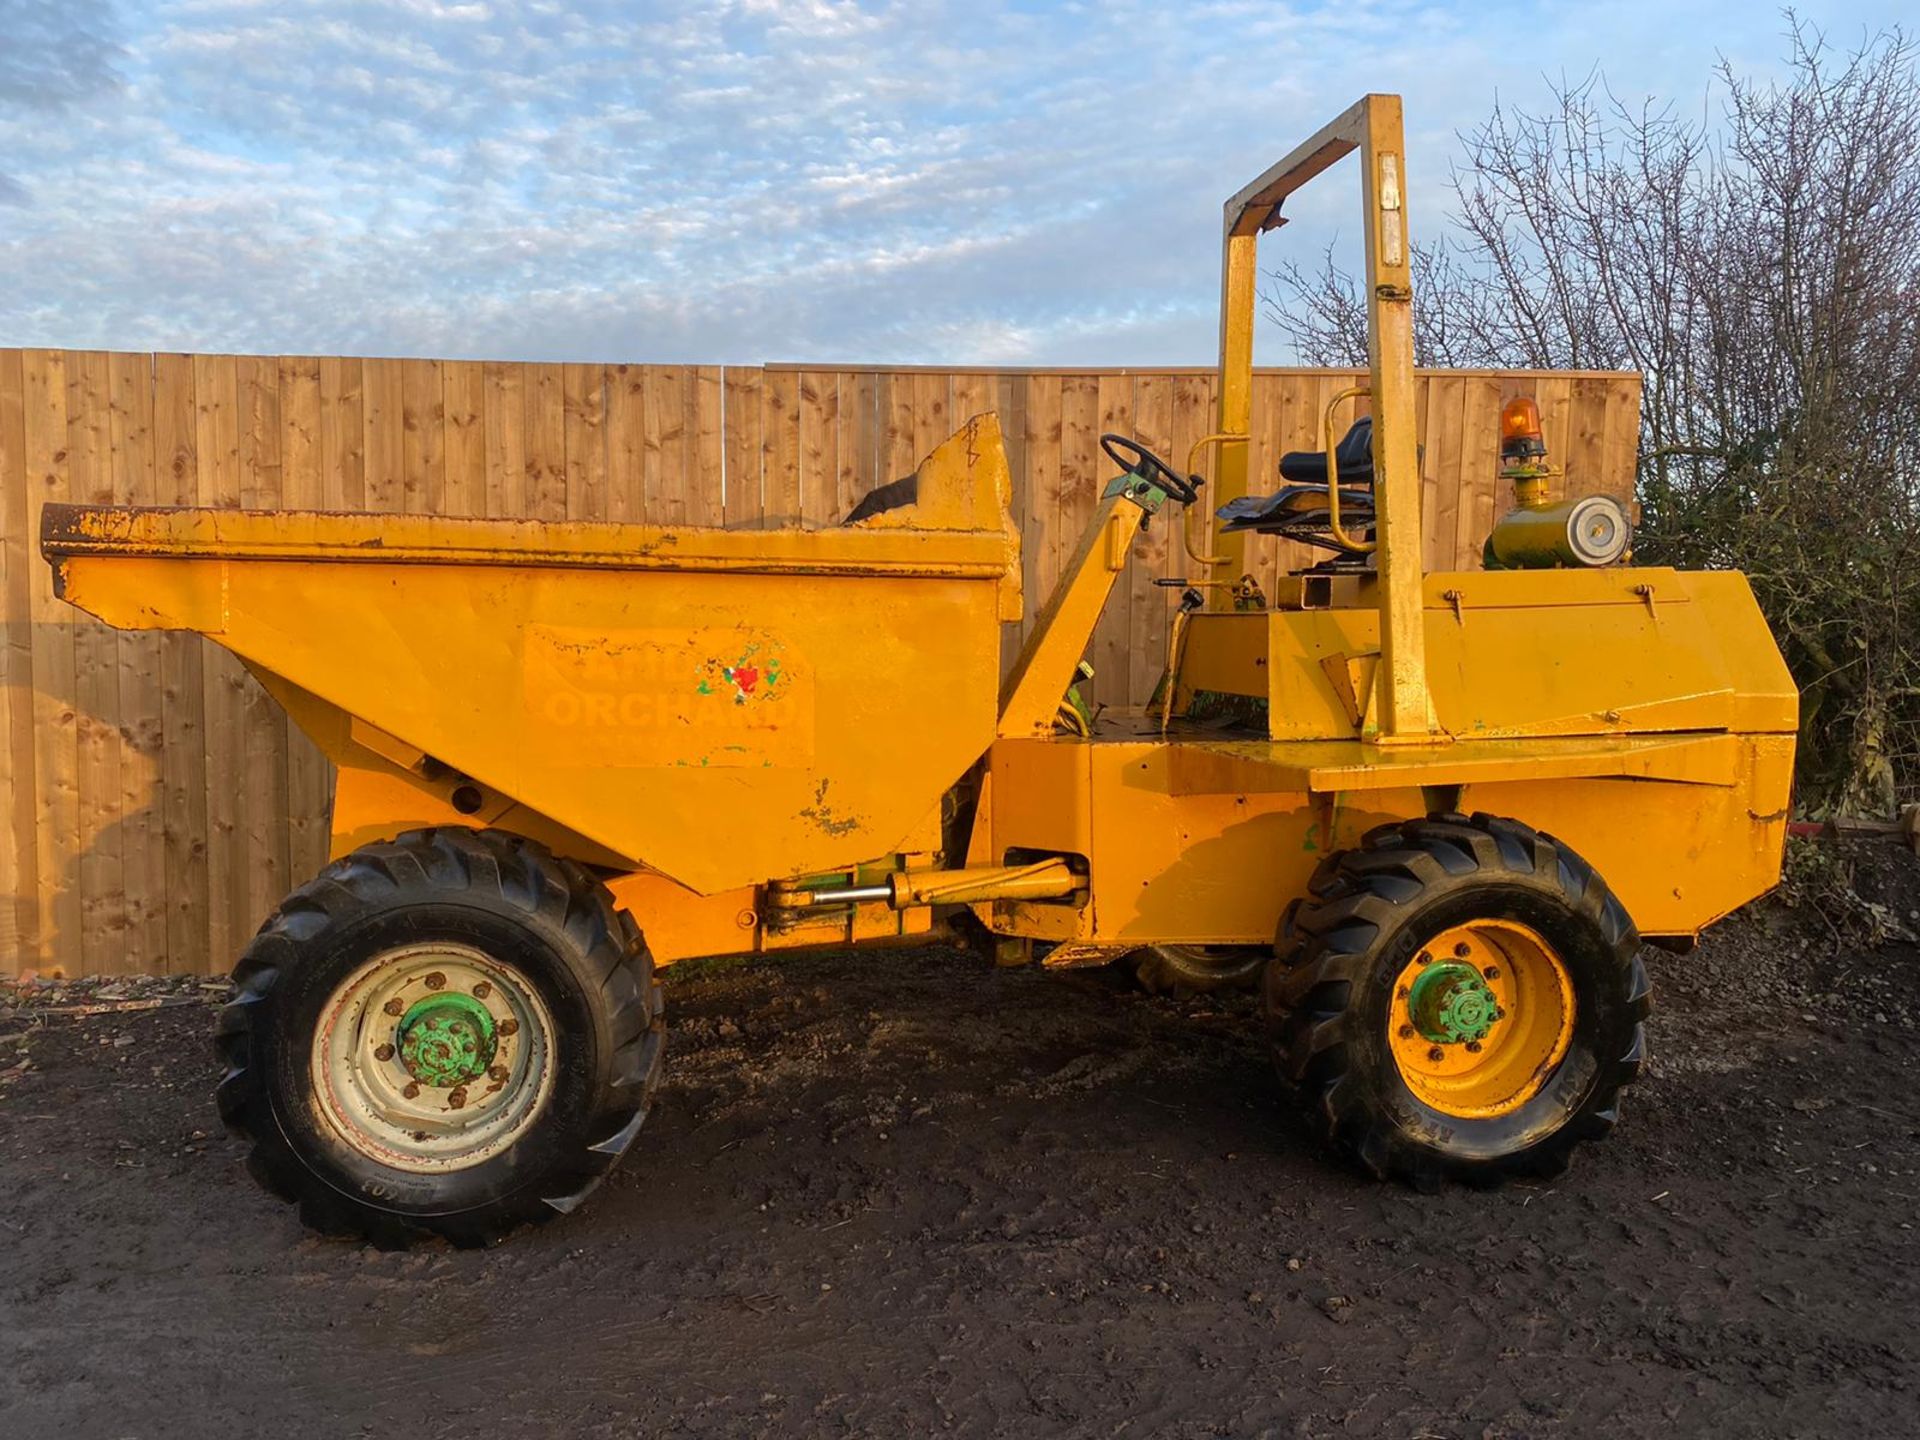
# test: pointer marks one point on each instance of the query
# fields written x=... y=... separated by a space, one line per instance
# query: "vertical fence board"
x=308 y=773
x=1282 y=421
x=183 y=657
x=1113 y=636
x=664 y=452
x=217 y=453
x=58 y=842
x=1479 y=468
x=1555 y=396
x=856 y=464
x=96 y=710
x=1081 y=468
x=584 y=400
x=1010 y=399
x=704 y=458
x=1040 y=557
x=1192 y=420
x=1585 y=453
x=898 y=426
x=1445 y=442
x=1149 y=606
x=343 y=433
x=1620 y=447
x=819 y=399
x=384 y=410
x=263 y=724
x=505 y=439
x=138 y=659
x=463 y=401
x=626 y=442
x=423 y=436
x=19 y=862
x=742 y=451
x=780 y=446
x=544 y=489
x=932 y=404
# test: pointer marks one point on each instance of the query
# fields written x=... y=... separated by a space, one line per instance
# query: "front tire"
x=453 y=1033
x=1460 y=998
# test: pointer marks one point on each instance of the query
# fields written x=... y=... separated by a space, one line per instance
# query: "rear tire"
x=1427 y=1095
x=1199 y=969
x=510 y=1066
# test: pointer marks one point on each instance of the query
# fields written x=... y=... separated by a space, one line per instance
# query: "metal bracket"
x=1144 y=493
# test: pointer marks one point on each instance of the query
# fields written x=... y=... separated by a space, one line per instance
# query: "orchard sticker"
x=747 y=678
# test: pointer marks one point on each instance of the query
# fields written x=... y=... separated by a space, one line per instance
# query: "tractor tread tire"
x=516 y=880
x=1328 y=967
x=1185 y=971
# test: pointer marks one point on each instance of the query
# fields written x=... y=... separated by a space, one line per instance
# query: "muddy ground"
x=901 y=1193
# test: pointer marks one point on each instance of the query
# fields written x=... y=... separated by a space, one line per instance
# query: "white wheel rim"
x=433 y=1057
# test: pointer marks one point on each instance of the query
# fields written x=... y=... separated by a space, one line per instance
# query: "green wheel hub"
x=1451 y=1004
x=447 y=1040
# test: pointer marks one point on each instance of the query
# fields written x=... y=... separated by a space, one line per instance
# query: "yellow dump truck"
x=1440 y=812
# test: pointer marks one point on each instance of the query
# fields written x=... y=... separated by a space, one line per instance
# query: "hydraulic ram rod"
x=1042 y=880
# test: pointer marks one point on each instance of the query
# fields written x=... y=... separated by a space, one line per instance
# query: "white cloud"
x=762 y=179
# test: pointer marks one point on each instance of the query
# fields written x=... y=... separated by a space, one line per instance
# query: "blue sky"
x=934 y=181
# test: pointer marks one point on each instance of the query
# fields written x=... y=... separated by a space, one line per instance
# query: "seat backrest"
x=1353 y=458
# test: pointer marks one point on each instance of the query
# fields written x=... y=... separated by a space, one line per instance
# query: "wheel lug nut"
x=1462 y=950
x=509 y=1026
x=1406 y=1032
x=412 y=1092
x=435 y=981
x=498 y=1074
x=1436 y=1054
x=482 y=990
x=1473 y=1047
x=1492 y=972
x=394 y=1007
x=456 y=1099
x=383 y=1052
x=1426 y=957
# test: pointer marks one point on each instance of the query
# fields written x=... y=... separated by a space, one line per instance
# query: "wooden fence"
x=157 y=805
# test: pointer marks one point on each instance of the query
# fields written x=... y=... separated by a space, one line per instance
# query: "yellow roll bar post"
x=1373 y=127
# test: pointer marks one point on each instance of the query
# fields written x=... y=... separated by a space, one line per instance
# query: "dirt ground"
x=901 y=1193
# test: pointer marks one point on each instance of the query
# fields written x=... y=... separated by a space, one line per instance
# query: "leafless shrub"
x=1761 y=267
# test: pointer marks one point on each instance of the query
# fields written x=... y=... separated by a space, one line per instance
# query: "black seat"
x=1352 y=458
x=1301 y=511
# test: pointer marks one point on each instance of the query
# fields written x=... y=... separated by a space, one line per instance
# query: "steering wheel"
x=1149 y=466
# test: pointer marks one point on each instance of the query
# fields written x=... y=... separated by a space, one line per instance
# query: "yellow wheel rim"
x=1480 y=1019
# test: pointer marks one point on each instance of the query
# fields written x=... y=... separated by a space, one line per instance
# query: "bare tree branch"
x=1760 y=266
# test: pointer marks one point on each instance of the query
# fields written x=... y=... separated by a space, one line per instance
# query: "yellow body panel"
x=719 y=707
x=1196 y=841
x=1517 y=653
